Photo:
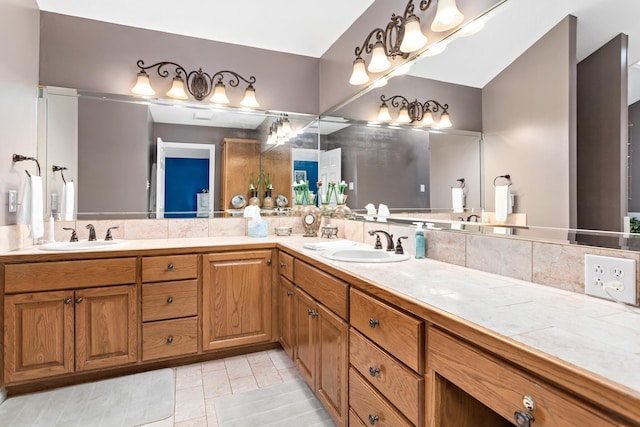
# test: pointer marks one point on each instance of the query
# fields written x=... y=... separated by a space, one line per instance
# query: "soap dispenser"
x=421 y=242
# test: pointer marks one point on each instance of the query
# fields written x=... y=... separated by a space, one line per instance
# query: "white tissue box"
x=257 y=228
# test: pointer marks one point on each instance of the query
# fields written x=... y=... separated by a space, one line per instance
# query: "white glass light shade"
x=445 y=122
x=403 y=115
x=447 y=16
x=286 y=126
x=177 y=89
x=413 y=38
x=249 y=99
x=143 y=86
x=427 y=119
x=219 y=94
x=280 y=132
x=359 y=75
x=379 y=61
x=383 y=114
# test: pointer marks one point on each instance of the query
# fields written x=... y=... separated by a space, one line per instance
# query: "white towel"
x=31 y=210
x=383 y=212
x=457 y=199
x=503 y=202
x=321 y=246
x=68 y=200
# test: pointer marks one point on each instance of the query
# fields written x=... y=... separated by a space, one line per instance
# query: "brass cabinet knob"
x=169 y=300
x=79 y=300
x=170 y=267
x=169 y=339
x=373 y=323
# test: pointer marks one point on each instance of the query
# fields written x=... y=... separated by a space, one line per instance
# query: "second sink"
x=363 y=255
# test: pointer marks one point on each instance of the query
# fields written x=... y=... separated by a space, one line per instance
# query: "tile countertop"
x=599 y=336
x=595 y=335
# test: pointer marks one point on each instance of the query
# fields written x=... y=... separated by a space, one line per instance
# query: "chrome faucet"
x=390 y=246
x=92 y=232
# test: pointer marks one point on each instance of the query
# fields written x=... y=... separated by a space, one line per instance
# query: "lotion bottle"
x=421 y=242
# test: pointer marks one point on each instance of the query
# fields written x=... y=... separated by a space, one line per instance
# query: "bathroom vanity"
x=415 y=343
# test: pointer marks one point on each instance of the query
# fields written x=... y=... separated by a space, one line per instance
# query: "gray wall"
x=529 y=124
x=602 y=137
x=634 y=153
x=19 y=32
x=113 y=141
x=101 y=57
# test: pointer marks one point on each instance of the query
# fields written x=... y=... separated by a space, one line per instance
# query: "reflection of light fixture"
x=414 y=111
x=471 y=28
x=401 y=36
x=198 y=83
x=435 y=49
x=280 y=131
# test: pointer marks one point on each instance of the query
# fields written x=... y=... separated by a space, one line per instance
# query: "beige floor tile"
x=238 y=367
x=280 y=359
x=167 y=422
x=215 y=384
x=188 y=376
x=189 y=404
x=242 y=384
x=212 y=418
x=213 y=365
x=289 y=374
x=268 y=379
x=195 y=422
x=259 y=357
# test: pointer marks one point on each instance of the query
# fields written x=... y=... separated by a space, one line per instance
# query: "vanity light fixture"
x=280 y=131
x=198 y=83
x=400 y=37
x=415 y=112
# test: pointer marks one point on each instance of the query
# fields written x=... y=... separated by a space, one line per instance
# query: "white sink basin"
x=82 y=245
x=363 y=255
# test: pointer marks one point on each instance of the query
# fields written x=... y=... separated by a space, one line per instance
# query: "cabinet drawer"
x=370 y=406
x=331 y=292
x=173 y=267
x=285 y=266
x=502 y=387
x=169 y=300
x=354 y=420
x=51 y=276
x=169 y=338
x=400 y=334
x=399 y=385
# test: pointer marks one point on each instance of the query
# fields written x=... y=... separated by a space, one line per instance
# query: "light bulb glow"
x=379 y=61
x=383 y=113
x=403 y=115
x=427 y=119
x=219 y=94
x=250 y=98
x=445 y=122
x=413 y=38
x=143 y=86
x=177 y=89
x=359 y=75
x=447 y=16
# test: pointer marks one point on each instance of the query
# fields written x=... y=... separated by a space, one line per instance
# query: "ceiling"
x=277 y=25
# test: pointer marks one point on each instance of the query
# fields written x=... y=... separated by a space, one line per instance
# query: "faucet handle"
x=109 y=236
x=378 y=244
x=399 y=248
x=74 y=235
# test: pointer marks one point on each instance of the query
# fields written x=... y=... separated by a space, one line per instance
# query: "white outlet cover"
x=609 y=271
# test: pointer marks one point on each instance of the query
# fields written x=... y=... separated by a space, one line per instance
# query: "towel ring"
x=507 y=177
x=61 y=169
x=20 y=158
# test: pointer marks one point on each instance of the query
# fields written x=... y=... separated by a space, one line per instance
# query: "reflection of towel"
x=457 y=199
x=31 y=210
x=321 y=246
x=68 y=199
x=383 y=212
x=503 y=202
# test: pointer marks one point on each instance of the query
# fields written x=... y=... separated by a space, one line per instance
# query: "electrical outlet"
x=607 y=276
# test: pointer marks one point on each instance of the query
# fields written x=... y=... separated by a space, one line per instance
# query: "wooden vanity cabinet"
x=80 y=325
x=321 y=337
x=236 y=299
x=285 y=315
x=169 y=306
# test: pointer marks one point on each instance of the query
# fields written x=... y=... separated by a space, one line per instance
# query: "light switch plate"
x=609 y=277
x=13 y=201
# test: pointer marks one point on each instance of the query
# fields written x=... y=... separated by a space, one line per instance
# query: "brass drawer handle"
x=373 y=419
x=169 y=300
x=68 y=300
x=289 y=293
x=373 y=323
x=79 y=300
x=374 y=371
x=523 y=419
x=170 y=267
x=169 y=339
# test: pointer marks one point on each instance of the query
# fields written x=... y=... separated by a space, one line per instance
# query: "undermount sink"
x=82 y=245
x=363 y=255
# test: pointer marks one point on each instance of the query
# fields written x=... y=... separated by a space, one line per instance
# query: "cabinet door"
x=236 y=298
x=285 y=321
x=38 y=340
x=106 y=327
x=305 y=337
x=332 y=350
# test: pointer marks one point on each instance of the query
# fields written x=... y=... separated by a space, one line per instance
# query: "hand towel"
x=321 y=246
x=68 y=201
x=457 y=199
x=503 y=202
x=31 y=210
x=383 y=212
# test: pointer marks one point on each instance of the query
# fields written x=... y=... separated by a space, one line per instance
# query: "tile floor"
x=198 y=384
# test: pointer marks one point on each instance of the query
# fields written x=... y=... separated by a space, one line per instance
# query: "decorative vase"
x=341 y=211
x=311 y=220
x=296 y=210
x=326 y=209
x=254 y=200
x=267 y=202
